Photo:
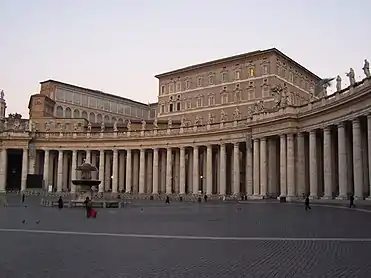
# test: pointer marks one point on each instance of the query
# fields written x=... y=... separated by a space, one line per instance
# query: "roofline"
x=94 y=91
x=237 y=57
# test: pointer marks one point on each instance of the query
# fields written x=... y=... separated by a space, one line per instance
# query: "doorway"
x=14 y=169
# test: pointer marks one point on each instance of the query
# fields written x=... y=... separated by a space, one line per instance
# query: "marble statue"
x=2 y=94
x=155 y=124
x=115 y=128
x=102 y=127
x=16 y=124
x=351 y=75
x=128 y=125
x=75 y=127
x=338 y=83
x=210 y=119
x=170 y=123
x=47 y=126
x=27 y=126
x=223 y=116
x=183 y=122
x=198 y=121
x=33 y=126
x=89 y=127
x=61 y=127
x=366 y=68
x=144 y=124
x=259 y=106
x=5 y=124
x=236 y=114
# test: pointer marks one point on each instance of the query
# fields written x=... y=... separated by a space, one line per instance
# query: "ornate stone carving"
x=144 y=124
x=16 y=124
x=2 y=94
x=102 y=127
x=128 y=125
x=115 y=128
x=34 y=127
x=198 y=121
x=338 y=83
x=27 y=126
x=47 y=126
x=5 y=124
x=279 y=94
x=366 y=68
x=89 y=127
x=259 y=106
x=61 y=127
x=351 y=75
x=75 y=127
x=236 y=114
x=155 y=124
x=183 y=122
x=223 y=116
x=170 y=123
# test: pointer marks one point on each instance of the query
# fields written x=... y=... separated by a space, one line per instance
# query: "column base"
x=359 y=198
x=343 y=197
x=326 y=198
x=255 y=197
x=291 y=198
x=313 y=197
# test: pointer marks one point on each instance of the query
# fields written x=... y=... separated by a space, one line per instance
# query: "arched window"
x=84 y=115
x=76 y=113
x=68 y=113
x=99 y=118
x=59 y=111
x=92 y=117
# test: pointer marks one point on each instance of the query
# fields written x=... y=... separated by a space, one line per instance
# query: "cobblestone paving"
x=50 y=255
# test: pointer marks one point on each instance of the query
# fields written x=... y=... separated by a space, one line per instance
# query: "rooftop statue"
x=366 y=68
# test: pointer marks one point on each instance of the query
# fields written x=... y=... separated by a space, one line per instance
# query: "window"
x=211 y=80
x=265 y=69
x=162 y=108
x=188 y=84
x=171 y=107
x=188 y=104
x=93 y=102
x=250 y=93
x=162 y=89
x=251 y=72
x=69 y=97
x=76 y=98
x=211 y=100
x=171 y=88
x=114 y=107
x=100 y=104
x=291 y=77
x=199 y=102
x=120 y=109
x=225 y=98
x=60 y=95
x=237 y=96
x=237 y=75
x=265 y=91
x=133 y=111
x=224 y=77
x=199 y=81
x=84 y=100
x=178 y=106
x=127 y=110
x=106 y=105
x=178 y=97
x=178 y=86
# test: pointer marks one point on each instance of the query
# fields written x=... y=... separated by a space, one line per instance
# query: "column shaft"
x=357 y=160
x=115 y=171
x=182 y=171
x=142 y=167
x=283 y=166
x=46 y=169
x=249 y=168
x=263 y=167
x=155 y=171
x=128 y=172
x=369 y=151
x=313 y=175
x=101 y=170
x=88 y=156
x=327 y=163
x=342 y=164
x=301 y=165
x=60 y=171
x=24 y=169
x=256 y=166
x=196 y=173
x=223 y=178
x=169 y=168
x=73 y=170
x=290 y=166
x=3 y=169
x=209 y=170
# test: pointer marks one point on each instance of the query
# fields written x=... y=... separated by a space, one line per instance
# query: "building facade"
x=282 y=141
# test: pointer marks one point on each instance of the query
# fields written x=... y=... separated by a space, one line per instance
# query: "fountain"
x=84 y=186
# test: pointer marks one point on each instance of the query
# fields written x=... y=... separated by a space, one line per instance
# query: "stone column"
x=327 y=163
x=101 y=170
x=73 y=170
x=142 y=167
x=283 y=166
x=342 y=164
x=115 y=171
x=65 y=172
x=223 y=166
x=88 y=156
x=301 y=165
x=263 y=167
x=46 y=169
x=256 y=165
x=290 y=166
x=236 y=169
x=169 y=168
x=190 y=171
x=196 y=173
x=107 y=174
x=369 y=152
x=3 y=168
x=31 y=161
x=24 y=169
x=60 y=171
x=122 y=172
x=128 y=171
x=313 y=175
x=135 y=172
x=155 y=171
x=94 y=163
x=182 y=171
x=249 y=168
x=357 y=160
x=149 y=173
x=209 y=170
x=176 y=172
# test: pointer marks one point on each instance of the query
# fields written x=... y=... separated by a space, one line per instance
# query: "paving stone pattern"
x=49 y=255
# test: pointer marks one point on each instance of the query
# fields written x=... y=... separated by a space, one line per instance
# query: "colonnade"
x=329 y=162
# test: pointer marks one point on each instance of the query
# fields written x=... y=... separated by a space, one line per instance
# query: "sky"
x=117 y=46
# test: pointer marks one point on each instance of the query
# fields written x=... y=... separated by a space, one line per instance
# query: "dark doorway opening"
x=14 y=169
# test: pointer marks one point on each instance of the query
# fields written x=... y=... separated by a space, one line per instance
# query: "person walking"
x=306 y=202
x=351 y=202
x=60 y=202
x=88 y=207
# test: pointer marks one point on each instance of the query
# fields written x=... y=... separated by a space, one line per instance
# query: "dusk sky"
x=118 y=46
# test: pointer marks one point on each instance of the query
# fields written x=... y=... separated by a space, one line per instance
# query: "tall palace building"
x=258 y=125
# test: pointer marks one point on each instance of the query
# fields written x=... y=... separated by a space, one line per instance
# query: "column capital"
x=356 y=122
x=313 y=132
x=327 y=129
x=341 y=125
x=290 y=136
x=263 y=139
x=300 y=134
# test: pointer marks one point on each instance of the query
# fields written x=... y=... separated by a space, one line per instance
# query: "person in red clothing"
x=88 y=207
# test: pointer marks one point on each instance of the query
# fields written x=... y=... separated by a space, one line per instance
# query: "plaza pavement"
x=214 y=239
